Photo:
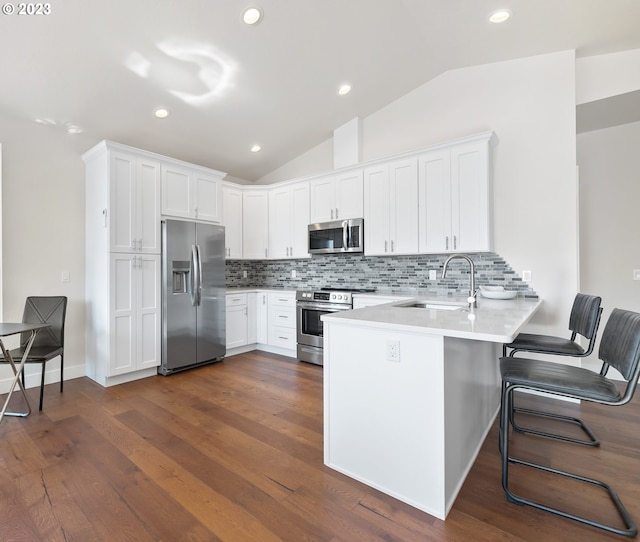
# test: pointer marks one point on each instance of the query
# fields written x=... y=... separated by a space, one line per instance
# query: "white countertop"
x=494 y=320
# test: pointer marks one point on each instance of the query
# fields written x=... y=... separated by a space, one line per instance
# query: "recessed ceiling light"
x=251 y=15
x=500 y=16
x=161 y=113
x=256 y=148
x=344 y=89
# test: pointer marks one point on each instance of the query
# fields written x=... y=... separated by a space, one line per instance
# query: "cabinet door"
x=148 y=203
x=177 y=192
x=135 y=312
x=255 y=225
x=322 y=207
x=148 y=308
x=207 y=205
x=279 y=222
x=232 y=214
x=349 y=195
x=434 y=186
x=262 y=318
x=299 y=221
x=236 y=326
x=470 y=207
x=403 y=206
x=376 y=210
x=252 y=318
x=122 y=299
x=122 y=220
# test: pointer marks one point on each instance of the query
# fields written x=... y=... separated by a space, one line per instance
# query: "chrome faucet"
x=472 y=277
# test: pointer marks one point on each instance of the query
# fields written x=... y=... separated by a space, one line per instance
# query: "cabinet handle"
x=391 y=245
x=337 y=217
x=455 y=242
x=140 y=244
x=245 y=311
x=265 y=253
x=446 y=243
x=385 y=245
x=195 y=212
x=331 y=214
x=283 y=338
x=264 y=299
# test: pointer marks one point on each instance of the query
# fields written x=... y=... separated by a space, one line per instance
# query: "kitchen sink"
x=442 y=306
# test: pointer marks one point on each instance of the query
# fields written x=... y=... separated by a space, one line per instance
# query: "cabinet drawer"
x=282 y=337
x=282 y=300
x=282 y=317
x=233 y=300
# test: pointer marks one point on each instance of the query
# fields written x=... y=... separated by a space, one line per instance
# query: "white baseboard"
x=33 y=375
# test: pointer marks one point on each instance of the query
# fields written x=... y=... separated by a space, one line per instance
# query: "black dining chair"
x=584 y=321
x=49 y=342
x=620 y=349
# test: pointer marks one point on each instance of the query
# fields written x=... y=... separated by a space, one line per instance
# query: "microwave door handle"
x=345 y=235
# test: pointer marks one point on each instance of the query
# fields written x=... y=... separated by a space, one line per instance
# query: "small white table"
x=13 y=329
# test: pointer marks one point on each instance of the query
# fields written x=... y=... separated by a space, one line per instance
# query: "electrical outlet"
x=526 y=276
x=244 y=274
x=66 y=276
x=393 y=351
x=293 y=273
x=432 y=274
x=636 y=274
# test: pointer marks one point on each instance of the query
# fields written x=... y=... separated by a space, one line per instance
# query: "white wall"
x=42 y=232
x=610 y=221
x=602 y=76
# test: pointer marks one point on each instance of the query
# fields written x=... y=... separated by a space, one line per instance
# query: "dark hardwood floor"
x=233 y=452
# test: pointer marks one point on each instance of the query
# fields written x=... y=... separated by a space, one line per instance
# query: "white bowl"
x=497 y=292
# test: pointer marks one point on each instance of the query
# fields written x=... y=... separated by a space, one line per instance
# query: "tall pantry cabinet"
x=123 y=246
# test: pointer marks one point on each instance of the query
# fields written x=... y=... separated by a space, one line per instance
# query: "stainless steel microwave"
x=337 y=236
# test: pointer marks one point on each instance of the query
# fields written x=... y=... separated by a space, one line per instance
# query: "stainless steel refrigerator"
x=193 y=295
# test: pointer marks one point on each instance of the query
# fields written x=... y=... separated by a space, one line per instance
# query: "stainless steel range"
x=311 y=305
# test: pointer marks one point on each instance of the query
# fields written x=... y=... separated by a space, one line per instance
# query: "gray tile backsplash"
x=384 y=274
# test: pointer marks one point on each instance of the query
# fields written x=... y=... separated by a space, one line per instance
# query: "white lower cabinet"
x=262 y=318
x=134 y=294
x=237 y=320
x=282 y=320
x=252 y=318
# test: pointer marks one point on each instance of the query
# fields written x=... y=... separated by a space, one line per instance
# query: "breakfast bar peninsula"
x=411 y=390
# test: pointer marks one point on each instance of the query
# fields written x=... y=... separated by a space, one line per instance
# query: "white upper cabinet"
x=190 y=193
x=391 y=208
x=337 y=196
x=134 y=204
x=455 y=197
x=232 y=220
x=255 y=224
x=288 y=221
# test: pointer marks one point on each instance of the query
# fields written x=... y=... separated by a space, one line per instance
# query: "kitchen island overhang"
x=411 y=393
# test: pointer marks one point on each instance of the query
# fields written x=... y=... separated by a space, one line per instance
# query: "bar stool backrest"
x=620 y=347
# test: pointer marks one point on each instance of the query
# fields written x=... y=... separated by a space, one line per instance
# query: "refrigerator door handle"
x=194 y=276
x=199 y=281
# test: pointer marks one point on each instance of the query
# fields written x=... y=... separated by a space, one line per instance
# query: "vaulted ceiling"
x=101 y=68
